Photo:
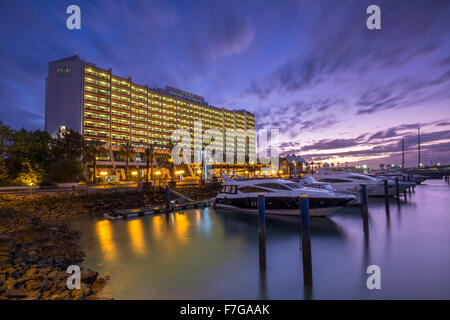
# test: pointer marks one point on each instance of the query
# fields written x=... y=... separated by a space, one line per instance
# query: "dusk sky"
x=336 y=90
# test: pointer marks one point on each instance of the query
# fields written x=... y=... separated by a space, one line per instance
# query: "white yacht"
x=351 y=183
x=405 y=178
x=313 y=183
x=282 y=197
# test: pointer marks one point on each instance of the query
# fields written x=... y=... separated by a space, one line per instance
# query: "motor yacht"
x=350 y=182
x=313 y=183
x=403 y=177
x=282 y=197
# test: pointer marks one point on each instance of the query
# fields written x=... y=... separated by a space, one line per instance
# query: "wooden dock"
x=139 y=212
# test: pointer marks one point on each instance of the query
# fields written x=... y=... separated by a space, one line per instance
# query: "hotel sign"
x=64 y=71
x=184 y=94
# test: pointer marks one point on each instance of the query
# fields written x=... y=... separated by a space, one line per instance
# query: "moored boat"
x=282 y=197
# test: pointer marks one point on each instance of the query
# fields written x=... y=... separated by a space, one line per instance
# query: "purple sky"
x=336 y=90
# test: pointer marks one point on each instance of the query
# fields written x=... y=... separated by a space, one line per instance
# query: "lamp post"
x=158 y=174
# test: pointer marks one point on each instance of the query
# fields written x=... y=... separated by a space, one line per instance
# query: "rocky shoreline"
x=36 y=246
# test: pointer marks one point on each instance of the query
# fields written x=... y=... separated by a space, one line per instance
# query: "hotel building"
x=115 y=110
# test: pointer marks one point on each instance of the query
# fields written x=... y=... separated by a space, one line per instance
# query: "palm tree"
x=91 y=150
x=149 y=157
x=170 y=146
x=126 y=150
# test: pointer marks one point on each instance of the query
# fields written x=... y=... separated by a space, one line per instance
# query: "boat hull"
x=316 y=212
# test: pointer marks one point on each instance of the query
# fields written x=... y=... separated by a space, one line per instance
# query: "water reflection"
x=136 y=232
x=157 y=227
x=107 y=245
x=181 y=226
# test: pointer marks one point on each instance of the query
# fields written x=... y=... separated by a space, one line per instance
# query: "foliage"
x=27 y=151
x=32 y=157
x=68 y=145
x=65 y=170
x=5 y=141
x=30 y=175
x=149 y=157
x=126 y=150
x=93 y=149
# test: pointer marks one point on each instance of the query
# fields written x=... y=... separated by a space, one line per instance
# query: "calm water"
x=204 y=254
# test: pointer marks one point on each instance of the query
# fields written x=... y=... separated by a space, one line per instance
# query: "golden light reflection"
x=181 y=226
x=136 y=232
x=157 y=224
x=198 y=218
x=104 y=234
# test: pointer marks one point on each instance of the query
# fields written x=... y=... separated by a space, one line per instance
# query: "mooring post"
x=397 y=188
x=364 y=207
x=306 y=240
x=167 y=198
x=386 y=195
x=262 y=231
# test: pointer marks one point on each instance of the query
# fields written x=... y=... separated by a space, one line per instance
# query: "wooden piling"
x=306 y=240
x=397 y=188
x=262 y=231
x=364 y=207
x=386 y=196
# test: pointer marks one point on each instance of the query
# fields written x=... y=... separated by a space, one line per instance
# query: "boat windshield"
x=229 y=189
x=275 y=185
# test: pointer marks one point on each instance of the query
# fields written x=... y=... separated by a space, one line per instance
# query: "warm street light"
x=158 y=173
x=103 y=173
x=134 y=173
x=199 y=171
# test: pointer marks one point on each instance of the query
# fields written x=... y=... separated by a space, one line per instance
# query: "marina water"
x=204 y=254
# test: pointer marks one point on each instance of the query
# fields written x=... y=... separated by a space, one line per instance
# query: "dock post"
x=386 y=195
x=262 y=231
x=167 y=198
x=306 y=240
x=397 y=188
x=364 y=207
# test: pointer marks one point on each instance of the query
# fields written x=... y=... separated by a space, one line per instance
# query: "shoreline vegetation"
x=36 y=245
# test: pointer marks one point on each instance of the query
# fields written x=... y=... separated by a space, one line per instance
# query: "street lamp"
x=158 y=173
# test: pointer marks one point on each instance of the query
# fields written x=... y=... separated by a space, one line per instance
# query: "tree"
x=68 y=144
x=30 y=175
x=93 y=149
x=126 y=150
x=66 y=151
x=5 y=141
x=149 y=158
x=27 y=150
x=172 y=173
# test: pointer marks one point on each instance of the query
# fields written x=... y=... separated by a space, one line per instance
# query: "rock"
x=89 y=276
x=33 y=295
x=14 y=293
x=46 y=285
x=82 y=293
x=98 y=285
x=10 y=284
x=33 y=285
x=53 y=275
x=15 y=274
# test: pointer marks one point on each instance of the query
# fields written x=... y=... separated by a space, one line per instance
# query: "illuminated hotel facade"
x=115 y=110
